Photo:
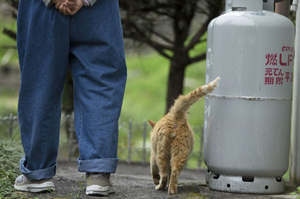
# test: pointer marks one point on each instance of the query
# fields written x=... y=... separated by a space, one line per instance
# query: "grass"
x=192 y=195
x=296 y=193
x=10 y=154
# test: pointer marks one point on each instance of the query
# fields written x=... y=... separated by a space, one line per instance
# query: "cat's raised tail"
x=183 y=103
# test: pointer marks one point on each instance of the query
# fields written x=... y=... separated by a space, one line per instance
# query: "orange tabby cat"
x=172 y=139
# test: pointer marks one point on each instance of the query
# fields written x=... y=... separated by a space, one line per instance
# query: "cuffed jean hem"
x=38 y=174
x=106 y=165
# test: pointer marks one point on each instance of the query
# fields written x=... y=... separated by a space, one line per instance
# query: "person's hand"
x=60 y=6
x=68 y=7
x=73 y=6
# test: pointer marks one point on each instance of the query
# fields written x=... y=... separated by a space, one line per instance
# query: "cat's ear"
x=152 y=124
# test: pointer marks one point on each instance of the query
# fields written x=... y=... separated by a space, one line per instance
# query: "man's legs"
x=99 y=72
x=99 y=75
x=43 y=46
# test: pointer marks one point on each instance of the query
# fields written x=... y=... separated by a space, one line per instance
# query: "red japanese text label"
x=278 y=67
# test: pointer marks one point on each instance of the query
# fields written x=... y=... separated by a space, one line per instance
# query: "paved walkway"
x=134 y=181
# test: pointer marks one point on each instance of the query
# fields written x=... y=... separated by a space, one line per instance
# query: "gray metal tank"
x=247 y=118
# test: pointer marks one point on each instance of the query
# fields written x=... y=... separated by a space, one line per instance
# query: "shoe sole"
x=97 y=193
x=98 y=190
x=35 y=188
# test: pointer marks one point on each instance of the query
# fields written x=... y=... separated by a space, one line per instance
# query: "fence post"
x=10 y=128
x=144 y=141
x=129 y=141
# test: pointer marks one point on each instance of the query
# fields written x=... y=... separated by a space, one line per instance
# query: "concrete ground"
x=134 y=182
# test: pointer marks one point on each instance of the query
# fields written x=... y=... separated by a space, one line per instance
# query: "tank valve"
x=294 y=6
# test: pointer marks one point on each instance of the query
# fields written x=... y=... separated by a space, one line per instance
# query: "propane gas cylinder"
x=247 y=118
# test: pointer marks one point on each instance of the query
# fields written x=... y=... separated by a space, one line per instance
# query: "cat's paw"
x=156 y=181
x=172 y=191
x=159 y=187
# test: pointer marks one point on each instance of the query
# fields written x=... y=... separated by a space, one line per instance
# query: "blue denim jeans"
x=91 y=42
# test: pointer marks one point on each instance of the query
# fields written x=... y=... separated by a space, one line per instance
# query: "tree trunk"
x=175 y=83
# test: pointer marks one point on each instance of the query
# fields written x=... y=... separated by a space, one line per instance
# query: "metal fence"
x=134 y=139
x=11 y=123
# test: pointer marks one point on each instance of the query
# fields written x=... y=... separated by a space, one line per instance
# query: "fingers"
x=61 y=8
x=65 y=10
x=70 y=4
x=73 y=11
x=69 y=7
x=57 y=5
x=75 y=8
x=70 y=12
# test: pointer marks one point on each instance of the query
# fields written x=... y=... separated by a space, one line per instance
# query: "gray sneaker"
x=23 y=184
x=98 y=184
